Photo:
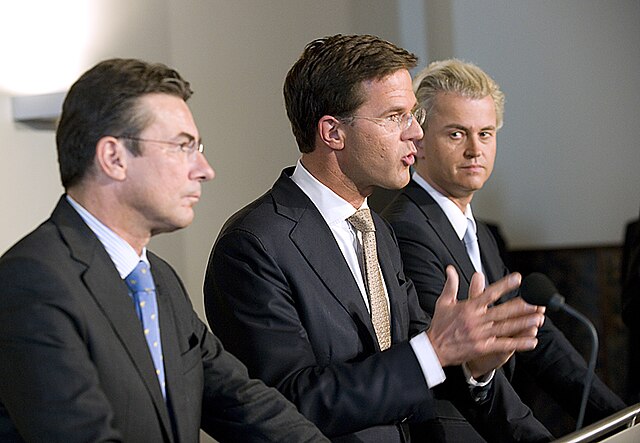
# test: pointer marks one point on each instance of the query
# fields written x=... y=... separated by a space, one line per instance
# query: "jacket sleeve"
x=236 y=407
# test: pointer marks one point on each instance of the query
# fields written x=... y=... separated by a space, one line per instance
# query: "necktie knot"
x=362 y=220
x=140 y=279
x=470 y=235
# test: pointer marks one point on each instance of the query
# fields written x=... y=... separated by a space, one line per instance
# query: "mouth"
x=193 y=198
x=409 y=160
x=473 y=168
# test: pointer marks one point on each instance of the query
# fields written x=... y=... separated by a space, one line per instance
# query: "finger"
x=477 y=284
x=513 y=308
x=450 y=290
x=518 y=326
x=517 y=343
x=496 y=290
x=542 y=309
x=502 y=345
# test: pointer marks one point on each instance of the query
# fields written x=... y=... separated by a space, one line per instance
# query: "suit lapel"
x=176 y=389
x=314 y=239
x=110 y=293
x=440 y=224
x=392 y=279
x=490 y=257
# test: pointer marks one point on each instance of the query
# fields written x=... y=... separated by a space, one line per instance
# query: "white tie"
x=471 y=243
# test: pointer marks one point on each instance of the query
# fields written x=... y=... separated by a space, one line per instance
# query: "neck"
x=106 y=208
x=460 y=201
x=329 y=174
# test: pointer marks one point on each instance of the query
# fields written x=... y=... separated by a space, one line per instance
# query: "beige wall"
x=29 y=180
x=568 y=149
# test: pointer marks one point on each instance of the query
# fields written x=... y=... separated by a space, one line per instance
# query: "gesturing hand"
x=478 y=333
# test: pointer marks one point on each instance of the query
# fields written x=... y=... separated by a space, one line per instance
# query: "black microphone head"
x=537 y=289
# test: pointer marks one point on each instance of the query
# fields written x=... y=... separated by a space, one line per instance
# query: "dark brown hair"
x=327 y=79
x=103 y=101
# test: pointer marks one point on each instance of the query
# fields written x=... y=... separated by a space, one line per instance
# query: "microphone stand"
x=592 y=361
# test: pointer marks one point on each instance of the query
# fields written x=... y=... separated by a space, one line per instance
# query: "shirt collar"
x=333 y=208
x=122 y=254
x=457 y=218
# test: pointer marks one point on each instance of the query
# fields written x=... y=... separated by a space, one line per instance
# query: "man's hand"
x=474 y=331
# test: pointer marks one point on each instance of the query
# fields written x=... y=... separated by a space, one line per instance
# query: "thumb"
x=450 y=290
x=476 y=287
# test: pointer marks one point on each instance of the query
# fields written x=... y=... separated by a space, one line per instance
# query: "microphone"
x=537 y=289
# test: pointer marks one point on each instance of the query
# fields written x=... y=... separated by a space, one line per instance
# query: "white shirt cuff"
x=472 y=381
x=428 y=360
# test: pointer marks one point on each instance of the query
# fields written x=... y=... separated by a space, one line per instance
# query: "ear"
x=330 y=132
x=111 y=158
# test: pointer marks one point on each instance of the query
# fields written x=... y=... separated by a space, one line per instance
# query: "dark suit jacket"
x=630 y=275
x=281 y=297
x=428 y=244
x=630 y=283
x=74 y=363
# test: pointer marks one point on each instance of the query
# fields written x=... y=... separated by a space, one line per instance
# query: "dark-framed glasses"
x=188 y=147
x=401 y=122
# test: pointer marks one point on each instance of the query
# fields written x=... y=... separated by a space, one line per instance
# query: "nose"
x=473 y=148
x=202 y=170
x=413 y=132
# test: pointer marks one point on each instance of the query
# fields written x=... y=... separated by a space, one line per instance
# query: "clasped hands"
x=478 y=333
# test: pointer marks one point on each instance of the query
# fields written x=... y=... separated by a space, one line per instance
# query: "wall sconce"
x=38 y=111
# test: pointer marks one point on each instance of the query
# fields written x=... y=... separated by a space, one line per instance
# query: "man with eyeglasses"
x=98 y=339
x=305 y=285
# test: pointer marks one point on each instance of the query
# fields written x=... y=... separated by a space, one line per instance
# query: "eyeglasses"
x=401 y=121
x=188 y=147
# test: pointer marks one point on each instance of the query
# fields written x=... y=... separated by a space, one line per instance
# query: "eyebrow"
x=399 y=109
x=188 y=136
x=464 y=128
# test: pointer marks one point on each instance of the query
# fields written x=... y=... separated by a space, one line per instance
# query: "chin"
x=175 y=224
x=401 y=182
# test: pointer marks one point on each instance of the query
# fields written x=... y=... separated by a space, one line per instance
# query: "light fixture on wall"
x=38 y=111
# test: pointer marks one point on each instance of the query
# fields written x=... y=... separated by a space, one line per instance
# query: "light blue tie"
x=143 y=292
x=471 y=243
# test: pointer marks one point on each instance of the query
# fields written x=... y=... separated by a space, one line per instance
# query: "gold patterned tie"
x=363 y=222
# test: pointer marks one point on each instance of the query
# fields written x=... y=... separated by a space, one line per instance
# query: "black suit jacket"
x=280 y=295
x=630 y=284
x=74 y=363
x=428 y=244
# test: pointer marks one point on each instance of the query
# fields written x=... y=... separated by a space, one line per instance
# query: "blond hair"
x=456 y=77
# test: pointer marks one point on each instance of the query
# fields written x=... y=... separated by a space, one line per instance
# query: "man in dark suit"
x=76 y=362
x=295 y=291
x=432 y=219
